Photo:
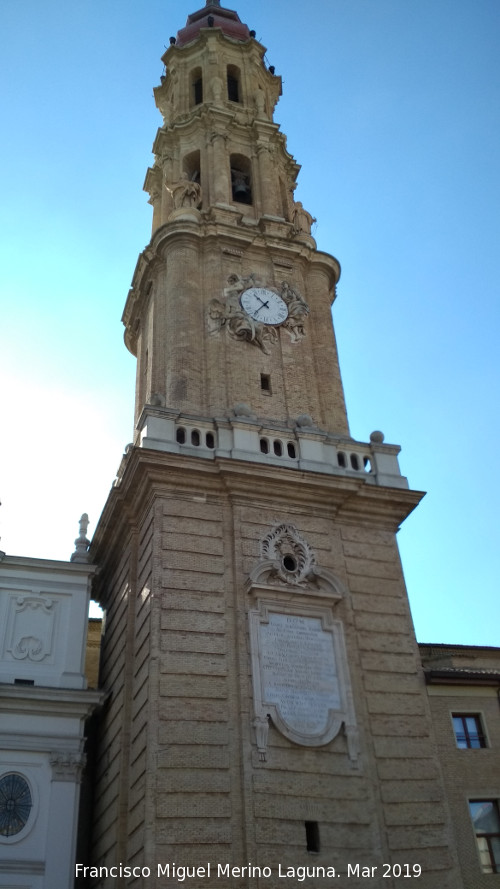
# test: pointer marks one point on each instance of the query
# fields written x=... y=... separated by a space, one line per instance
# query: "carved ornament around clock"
x=228 y=313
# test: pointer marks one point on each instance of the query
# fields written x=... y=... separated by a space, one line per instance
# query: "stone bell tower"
x=267 y=707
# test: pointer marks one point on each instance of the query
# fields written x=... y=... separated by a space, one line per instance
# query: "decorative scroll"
x=32 y=633
x=67 y=766
x=290 y=555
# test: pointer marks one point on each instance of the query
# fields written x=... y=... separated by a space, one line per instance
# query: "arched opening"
x=233 y=83
x=241 y=179
x=196 y=86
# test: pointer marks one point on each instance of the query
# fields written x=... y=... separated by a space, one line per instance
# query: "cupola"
x=213 y=15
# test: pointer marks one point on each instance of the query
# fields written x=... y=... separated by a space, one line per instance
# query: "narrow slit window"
x=196 y=86
x=198 y=91
x=195 y=438
x=290 y=448
x=312 y=836
x=233 y=83
x=180 y=435
x=210 y=440
x=278 y=447
x=233 y=92
x=264 y=446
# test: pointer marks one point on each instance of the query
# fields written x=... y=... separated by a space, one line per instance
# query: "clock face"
x=264 y=305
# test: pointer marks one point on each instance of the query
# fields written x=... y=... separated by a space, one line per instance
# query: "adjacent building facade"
x=44 y=705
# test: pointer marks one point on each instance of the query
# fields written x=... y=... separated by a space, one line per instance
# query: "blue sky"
x=392 y=108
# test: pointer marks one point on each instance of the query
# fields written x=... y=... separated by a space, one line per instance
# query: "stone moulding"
x=300 y=675
x=299 y=663
x=31 y=622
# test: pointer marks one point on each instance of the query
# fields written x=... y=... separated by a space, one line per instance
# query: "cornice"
x=23 y=563
x=150 y=473
x=462 y=676
x=47 y=701
x=208 y=229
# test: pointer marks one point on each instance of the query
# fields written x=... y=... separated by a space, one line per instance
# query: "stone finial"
x=212 y=3
x=243 y=410
x=377 y=437
x=305 y=421
x=82 y=542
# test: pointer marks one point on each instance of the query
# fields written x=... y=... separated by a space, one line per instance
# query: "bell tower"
x=267 y=707
x=225 y=223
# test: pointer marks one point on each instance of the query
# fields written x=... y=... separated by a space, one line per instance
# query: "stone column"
x=219 y=170
x=62 y=824
x=267 y=176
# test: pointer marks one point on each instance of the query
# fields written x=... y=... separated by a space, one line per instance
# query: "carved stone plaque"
x=300 y=672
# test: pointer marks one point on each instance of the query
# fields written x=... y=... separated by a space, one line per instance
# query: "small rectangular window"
x=468 y=730
x=486 y=821
x=265 y=383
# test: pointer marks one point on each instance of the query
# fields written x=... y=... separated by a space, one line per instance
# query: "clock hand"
x=263 y=304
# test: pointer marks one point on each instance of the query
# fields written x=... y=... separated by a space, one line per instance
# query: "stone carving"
x=67 y=766
x=260 y=103
x=217 y=86
x=300 y=676
x=30 y=647
x=292 y=559
x=186 y=193
x=228 y=313
x=164 y=105
x=302 y=220
x=261 y=726
x=297 y=311
x=32 y=632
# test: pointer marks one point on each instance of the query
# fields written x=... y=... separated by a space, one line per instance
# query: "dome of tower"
x=213 y=15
